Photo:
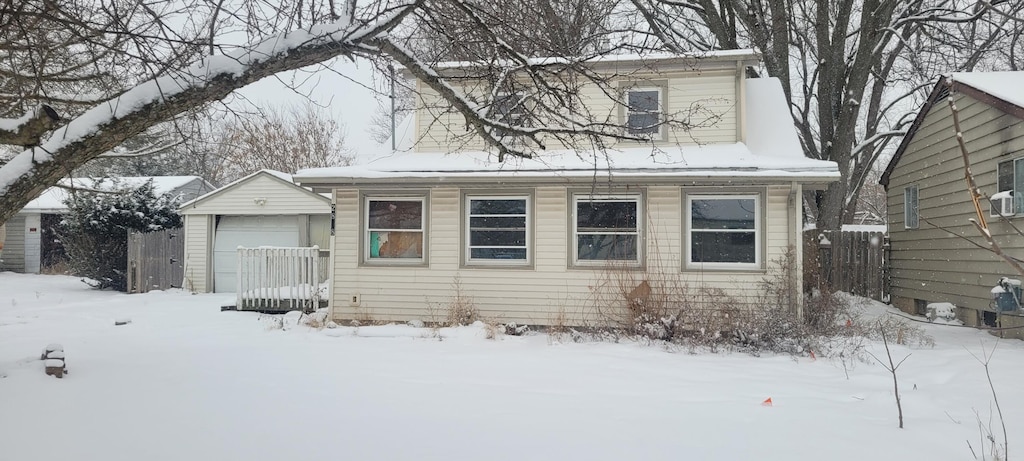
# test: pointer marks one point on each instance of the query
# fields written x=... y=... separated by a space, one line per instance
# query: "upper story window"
x=497 y=230
x=509 y=108
x=394 y=229
x=644 y=108
x=1011 y=179
x=724 y=231
x=910 y=207
x=606 y=229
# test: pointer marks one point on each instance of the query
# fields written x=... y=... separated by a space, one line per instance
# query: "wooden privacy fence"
x=155 y=260
x=279 y=278
x=852 y=261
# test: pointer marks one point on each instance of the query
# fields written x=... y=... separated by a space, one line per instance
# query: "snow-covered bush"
x=95 y=230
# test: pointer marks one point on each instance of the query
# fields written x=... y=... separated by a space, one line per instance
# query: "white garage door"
x=247 y=231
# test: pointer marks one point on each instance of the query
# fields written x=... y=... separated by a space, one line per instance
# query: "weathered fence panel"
x=279 y=278
x=155 y=260
x=850 y=261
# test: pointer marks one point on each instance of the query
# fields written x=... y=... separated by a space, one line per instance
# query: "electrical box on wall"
x=353 y=300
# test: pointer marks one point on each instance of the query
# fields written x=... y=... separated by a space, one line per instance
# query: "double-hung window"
x=1011 y=179
x=644 y=106
x=723 y=231
x=911 y=218
x=509 y=108
x=497 y=230
x=394 y=229
x=606 y=229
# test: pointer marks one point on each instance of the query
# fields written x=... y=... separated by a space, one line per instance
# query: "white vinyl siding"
x=539 y=294
x=197 y=253
x=13 y=256
x=707 y=101
x=259 y=195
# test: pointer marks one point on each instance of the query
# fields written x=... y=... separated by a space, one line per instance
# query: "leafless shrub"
x=457 y=309
x=900 y=331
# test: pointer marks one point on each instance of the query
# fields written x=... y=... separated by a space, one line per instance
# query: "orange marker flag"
x=813 y=357
x=767 y=402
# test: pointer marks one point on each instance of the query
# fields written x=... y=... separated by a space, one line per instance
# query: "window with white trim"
x=723 y=231
x=1011 y=179
x=394 y=229
x=497 y=230
x=643 y=110
x=509 y=108
x=606 y=229
x=910 y=207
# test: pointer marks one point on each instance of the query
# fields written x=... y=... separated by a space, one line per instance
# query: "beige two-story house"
x=710 y=201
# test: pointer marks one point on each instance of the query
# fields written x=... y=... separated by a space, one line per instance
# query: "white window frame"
x=1018 y=194
x=911 y=207
x=638 y=232
x=367 y=231
x=758 y=231
x=515 y=116
x=659 y=133
x=467 y=232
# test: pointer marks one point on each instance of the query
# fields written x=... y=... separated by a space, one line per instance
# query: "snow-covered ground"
x=184 y=381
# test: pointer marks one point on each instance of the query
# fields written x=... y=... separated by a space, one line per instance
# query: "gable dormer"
x=665 y=99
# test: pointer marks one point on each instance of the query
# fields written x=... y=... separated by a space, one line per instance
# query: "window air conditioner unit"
x=1002 y=204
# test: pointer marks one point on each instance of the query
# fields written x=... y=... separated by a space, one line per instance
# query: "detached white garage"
x=263 y=209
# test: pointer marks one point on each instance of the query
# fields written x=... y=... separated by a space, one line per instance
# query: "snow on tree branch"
x=106 y=125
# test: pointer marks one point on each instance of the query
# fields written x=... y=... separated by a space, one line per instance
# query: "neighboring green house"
x=935 y=257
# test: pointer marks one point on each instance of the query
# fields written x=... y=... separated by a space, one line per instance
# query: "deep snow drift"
x=184 y=381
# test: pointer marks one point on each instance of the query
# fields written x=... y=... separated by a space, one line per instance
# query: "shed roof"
x=52 y=200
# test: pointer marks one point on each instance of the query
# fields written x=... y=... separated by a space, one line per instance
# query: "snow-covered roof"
x=739 y=54
x=284 y=177
x=52 y=200
x=772 y=150
x=1008 y=86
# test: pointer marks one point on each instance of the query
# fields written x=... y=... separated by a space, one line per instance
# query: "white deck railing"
x=278 y=278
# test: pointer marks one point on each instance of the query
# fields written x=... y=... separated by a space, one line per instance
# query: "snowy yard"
x=184 y=381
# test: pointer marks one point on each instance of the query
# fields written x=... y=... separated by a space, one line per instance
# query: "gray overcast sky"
x=349 y=100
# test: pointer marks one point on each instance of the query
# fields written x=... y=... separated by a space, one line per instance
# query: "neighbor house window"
x=394 y=229
x=910 y=207
x=606 y=229
x=497 y=230
x=723 y=231
x=644 y=106
x=1011 y=178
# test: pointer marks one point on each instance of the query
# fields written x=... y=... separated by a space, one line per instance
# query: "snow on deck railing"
x=279 y=278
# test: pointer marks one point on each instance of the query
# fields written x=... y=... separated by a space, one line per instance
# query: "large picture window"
x=606 y=229
x=723 y=231
x=394 y=229
x=497 y=230
x=910 y=207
